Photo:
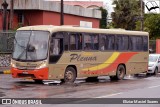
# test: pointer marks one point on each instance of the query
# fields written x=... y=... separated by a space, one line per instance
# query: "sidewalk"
x=5 y=70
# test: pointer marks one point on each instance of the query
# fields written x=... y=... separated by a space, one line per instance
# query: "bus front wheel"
x=70 y=75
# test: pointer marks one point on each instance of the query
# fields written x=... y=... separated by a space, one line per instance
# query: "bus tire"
x=120 y=73
x=70 y=75
x=38 y=81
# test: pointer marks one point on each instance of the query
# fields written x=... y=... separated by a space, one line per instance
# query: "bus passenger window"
x=87 y=47
x=75 y=42
x=145 y=43
x=110 y=42
x=91 y=42
x=103 y=43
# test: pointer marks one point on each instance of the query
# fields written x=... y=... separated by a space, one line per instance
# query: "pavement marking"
x=154 y=86
x=110 y=95
x=88 y=99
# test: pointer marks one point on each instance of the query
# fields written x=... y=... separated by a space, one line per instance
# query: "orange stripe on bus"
x=122 y=58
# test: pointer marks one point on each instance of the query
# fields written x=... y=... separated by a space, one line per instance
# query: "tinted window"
x=139 y=43
x=145 y=43
x=75 y=42
x=136 y=43
x=90 y=42
x=106 y=42
x=103 y=42
x=66 y=41
x=122 y=42
x=110 y=42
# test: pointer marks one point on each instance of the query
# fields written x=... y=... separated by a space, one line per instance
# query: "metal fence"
x=6 y=42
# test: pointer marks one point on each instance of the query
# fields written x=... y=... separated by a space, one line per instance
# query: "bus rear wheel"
x=120 y=73
x=70 y=75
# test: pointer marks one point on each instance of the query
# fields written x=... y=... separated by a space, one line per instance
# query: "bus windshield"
x=30 y=45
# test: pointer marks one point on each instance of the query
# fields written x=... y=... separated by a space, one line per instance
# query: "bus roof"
x=52 y=29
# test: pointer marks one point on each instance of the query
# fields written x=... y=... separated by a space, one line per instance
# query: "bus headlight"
x=42 y=65
x=13 y=65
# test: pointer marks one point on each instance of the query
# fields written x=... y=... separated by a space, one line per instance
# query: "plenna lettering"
x=76 y=57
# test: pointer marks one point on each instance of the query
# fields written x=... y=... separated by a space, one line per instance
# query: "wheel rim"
x=68 y=75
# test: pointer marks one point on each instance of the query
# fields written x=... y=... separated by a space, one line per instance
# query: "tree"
x=152 y=25
x=125 y=14
x=103 y=21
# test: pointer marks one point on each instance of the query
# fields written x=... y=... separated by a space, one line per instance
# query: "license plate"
x=24 y=72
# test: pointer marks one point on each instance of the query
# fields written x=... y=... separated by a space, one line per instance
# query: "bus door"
x=56 y=50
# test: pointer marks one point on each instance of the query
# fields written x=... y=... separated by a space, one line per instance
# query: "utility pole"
x=142 y=11
x=62 y=14
x=4 y=5
x=11 y=14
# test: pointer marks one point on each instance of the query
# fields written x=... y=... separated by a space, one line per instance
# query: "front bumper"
x=34 y=74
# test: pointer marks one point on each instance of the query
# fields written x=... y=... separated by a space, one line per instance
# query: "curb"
x=5 y=72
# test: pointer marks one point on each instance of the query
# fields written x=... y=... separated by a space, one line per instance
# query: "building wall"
x=84 y=4
x=38 y=17
x=54 y=19
x=33 y=17
x=30 y=18
x=51 y=18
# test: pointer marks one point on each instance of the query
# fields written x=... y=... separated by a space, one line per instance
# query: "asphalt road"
x=130 y=87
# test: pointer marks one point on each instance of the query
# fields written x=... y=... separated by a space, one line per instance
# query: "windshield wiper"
x=25 y=48
x=19 y=44
x=28 y=43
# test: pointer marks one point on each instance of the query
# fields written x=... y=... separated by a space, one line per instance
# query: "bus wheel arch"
x=70 y=74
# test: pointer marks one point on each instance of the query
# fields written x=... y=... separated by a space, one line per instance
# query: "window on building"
x=20 y=18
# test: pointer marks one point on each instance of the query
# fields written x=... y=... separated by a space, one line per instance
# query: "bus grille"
x=26 y=75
